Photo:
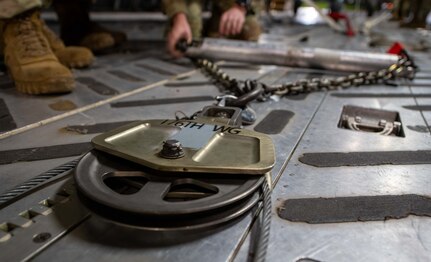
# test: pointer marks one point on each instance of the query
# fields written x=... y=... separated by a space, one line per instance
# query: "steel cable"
x=36 y=181
x=265 y=227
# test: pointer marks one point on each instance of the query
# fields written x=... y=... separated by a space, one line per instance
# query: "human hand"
x=232 y=21
x=180 y=30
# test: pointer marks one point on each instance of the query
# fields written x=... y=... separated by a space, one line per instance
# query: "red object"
x=396 y=49
x=340 y=16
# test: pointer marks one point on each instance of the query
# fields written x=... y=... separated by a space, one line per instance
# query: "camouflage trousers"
x=251 y=29
x=11 y=8
x=418 y=8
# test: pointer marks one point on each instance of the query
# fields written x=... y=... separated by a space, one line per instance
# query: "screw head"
x=172 y=149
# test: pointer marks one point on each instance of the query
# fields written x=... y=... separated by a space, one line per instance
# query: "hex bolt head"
x=172 y=149
x=222 y=114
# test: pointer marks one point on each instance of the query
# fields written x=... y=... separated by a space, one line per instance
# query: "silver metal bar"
x=282 y=55
x=371 y=23
x=325 y=17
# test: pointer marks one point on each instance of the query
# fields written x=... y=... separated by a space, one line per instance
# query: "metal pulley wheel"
x=173 y=179
x=125 y=186
x=128 y=193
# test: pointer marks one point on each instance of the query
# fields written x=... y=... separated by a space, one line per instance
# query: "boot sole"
x=51 y=86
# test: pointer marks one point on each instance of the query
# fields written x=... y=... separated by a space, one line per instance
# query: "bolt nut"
x=172 y=149
x=222 y=114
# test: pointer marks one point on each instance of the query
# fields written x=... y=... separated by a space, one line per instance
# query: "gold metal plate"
x=208 y=147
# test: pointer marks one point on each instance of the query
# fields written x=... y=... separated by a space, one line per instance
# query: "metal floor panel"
x=292 y=241
x=287 y=139
x=88 y=243
x=342 y=242
x=312 y=128
x=104 y=83
x=56 y=134
x=395 y=240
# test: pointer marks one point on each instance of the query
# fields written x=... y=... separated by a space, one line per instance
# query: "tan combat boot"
x=70 y=56
x=30 y=61
x=98 y=41
x=99 y=38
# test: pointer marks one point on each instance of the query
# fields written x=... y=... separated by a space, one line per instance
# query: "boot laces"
x=32 y=43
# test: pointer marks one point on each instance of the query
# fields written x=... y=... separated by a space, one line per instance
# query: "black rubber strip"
x=97 y=86
x=42 y=153
x=423 y=76
x=274 y=122
x=306 y=259
x=126 y=76
x=372 y=95
x=157 y=70
x=6 y=120
x=239 y=66
x=420 y=84
x=301 y=96
x=97 y=128
x=353 y=209
x=419 y=128
x=188 y=84
x=163 y=101
x=419 y=108
x=367 y=158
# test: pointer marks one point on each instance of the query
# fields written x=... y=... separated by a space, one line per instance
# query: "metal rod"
x=325 y=17
x=282 y=55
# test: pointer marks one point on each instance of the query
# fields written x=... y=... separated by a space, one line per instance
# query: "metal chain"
x=249 y=90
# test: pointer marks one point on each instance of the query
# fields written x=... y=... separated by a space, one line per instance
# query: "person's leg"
x=335 y=6
x=251 y=29
x=400 y=10
x=77 y=28
x=194 y=17
x=212 y=25
x=70 y=57
x=296 y=5
x=422 y=13
x=28 y=56
x=12 y=8
x=369 y=7
x=417 y=9
x=74 y=20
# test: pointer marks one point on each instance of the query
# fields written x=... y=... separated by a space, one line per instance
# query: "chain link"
x=404 y=68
